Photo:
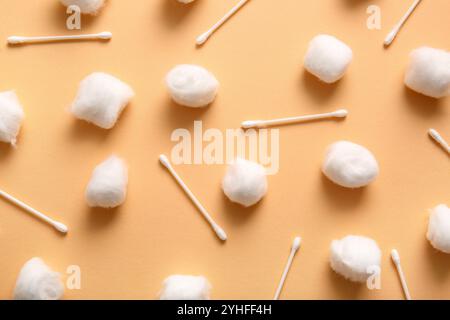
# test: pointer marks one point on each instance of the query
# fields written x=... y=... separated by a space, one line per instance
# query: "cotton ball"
x=355 y=257
x=86 y=6
x=101 y=98
x=350 y=165
x=439 y=228
x=429 y=72
x=108 y=185
x=245 y=182
x=180 y=287
x=11 y=116
x=328 y=58
x=37 y=281
x=192 y=86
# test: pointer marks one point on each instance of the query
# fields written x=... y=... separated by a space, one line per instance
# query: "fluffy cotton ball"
x=439 y=228
x=11 y=116
x=101 y=98
x=328 y=58
x=355 y=257
x=180 y=287
x=429 y=72
x=192 y=86
x=108 y=185
x=350 y=165
x=86 y=6
x=245 y=182
x=37 y=281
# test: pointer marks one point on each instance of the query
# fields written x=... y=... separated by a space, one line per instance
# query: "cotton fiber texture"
x=11 y=117
x=439 y=228
x=101 y=99
x=429 y=72
x=245 y=182
x=86 y=6
x=181 y=287
x=350 y=165
x=192 y=86
x=108 y=185
x=328 y=58
x=37 y=281
x=355 y=257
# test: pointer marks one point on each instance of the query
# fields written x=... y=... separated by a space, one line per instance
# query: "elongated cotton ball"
x=101 y=99
x=86 y=6
x=11 y=117
x=37 y=281
x=181 y=287
x=245 y=182
x=350 y=165
x=108 y=185
x=192 y=86
x=439 y=228
x=355 y=257
x=328 y=58
x=429 y=72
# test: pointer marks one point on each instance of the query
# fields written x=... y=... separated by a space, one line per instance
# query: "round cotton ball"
x=86 y=6
x=11 y=117
x=101 y=99
x=192 y=86
x=429 y=72
x=37 y=281
x=355 y=257
x=350 y=165
x=108 y=185
x=245 y=182
x=181 y=287
x=439 y=228
x=328 y=58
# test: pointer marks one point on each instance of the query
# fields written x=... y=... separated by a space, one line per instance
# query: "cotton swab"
x=295 y=246
x=57 y=225
x=24 y=40
x=396 y=258
x=205 y=36
x=438 y=138
x=217 y=229
x=391 y=36
x=266 y=123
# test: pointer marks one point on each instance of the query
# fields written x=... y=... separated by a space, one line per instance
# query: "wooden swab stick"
x=295 y=246
x=391 y=36
x=438 y=138
x=217 y=229
x=205 y=36
x=266 y=123
x=396 y=258
x=57 y=225
x=24 y=40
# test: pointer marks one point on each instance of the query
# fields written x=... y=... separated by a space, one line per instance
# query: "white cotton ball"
x=355 y=257
x=192 y=86
x=108 y=185
x=350 y=165
x=37 y=281
x=429 y=72
x=86 y=6
x=180 y=287
x=439 y=228
x=101 y=98
x=11 y=116
x=328 y=58
x=245 y=182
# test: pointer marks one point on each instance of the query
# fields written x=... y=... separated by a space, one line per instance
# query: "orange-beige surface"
x=257 y=56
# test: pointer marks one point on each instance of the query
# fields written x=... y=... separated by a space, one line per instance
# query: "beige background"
x=258 y=59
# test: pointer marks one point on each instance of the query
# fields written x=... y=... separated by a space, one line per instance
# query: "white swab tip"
x=433 y=133
x=164 y=160
x=106 y=35
x=296 y=244
x=395 y=256
x=16 y=40
x=340 y=113
x=250 y=124
x=61 y=227
x=220 y=233
x=201 y=39
x=390 y=37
